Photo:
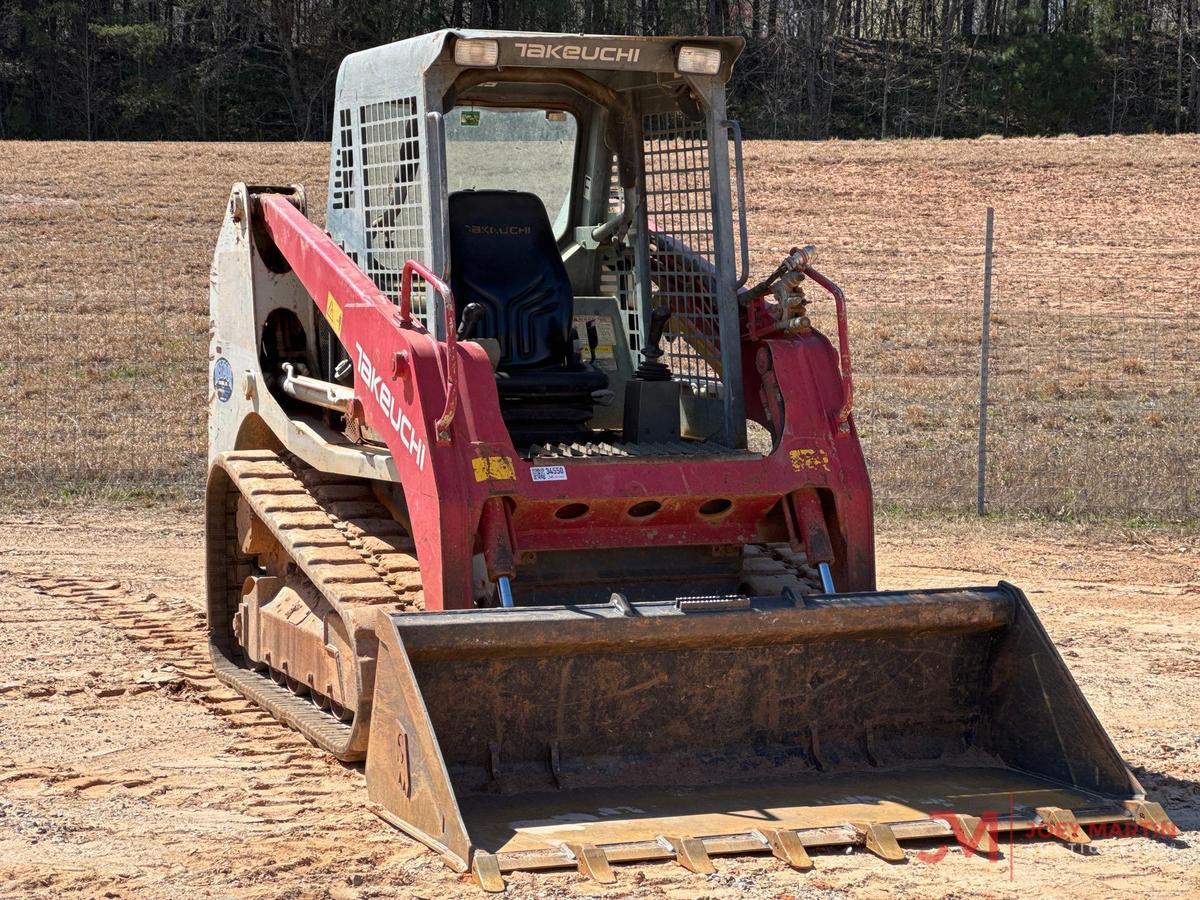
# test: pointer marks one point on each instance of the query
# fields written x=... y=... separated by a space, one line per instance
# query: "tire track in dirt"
x=248 y=808
x=172 y=635
x=287 y=768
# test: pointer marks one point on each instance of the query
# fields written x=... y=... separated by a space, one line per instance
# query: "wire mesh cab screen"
x=683 y=261
x=393 y=196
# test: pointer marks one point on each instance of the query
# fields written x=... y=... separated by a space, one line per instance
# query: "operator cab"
x=575 y=193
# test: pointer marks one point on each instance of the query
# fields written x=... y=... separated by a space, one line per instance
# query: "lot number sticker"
x=549 y=473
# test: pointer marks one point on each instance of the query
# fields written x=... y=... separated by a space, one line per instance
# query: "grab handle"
x=839 y=300
x=443 y=290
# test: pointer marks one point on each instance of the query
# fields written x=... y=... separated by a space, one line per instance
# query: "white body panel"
x=243 y=291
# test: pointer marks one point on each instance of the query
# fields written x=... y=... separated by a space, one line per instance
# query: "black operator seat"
x=503 y=256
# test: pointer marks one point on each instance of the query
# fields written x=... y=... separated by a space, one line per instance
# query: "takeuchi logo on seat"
x=499 y=229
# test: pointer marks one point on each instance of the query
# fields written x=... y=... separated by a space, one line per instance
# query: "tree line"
x=265 y=69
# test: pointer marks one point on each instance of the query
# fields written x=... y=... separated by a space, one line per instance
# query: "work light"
x=476 y=52
x=693 y=60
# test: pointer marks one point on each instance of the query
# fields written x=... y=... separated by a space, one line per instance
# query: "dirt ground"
x=125 y=770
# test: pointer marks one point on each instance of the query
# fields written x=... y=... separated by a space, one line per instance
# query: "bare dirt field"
x=126 y=771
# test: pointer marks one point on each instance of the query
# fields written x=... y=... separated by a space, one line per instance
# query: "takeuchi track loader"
x=482 y=511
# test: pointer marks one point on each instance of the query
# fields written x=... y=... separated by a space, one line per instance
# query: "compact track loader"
x=482 y=510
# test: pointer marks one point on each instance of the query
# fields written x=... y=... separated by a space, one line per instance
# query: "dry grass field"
x=1095 y=351
x=1096 y=385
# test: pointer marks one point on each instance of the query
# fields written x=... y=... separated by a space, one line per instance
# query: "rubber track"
x=767 y=569
x=350 y=548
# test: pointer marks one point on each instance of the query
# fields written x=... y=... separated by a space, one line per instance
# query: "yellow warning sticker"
x=493 y=468
x=809 y=459
x=333 y=313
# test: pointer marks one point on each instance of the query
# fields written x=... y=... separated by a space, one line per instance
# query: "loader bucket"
x=580 y=736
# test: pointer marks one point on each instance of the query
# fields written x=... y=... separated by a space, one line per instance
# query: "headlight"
x=476 y=52
x=695 y=60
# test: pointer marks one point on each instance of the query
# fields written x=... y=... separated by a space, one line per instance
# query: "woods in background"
x=265 y=69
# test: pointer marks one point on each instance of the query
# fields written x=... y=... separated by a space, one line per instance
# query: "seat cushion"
x=504 y=257
x=551 y=383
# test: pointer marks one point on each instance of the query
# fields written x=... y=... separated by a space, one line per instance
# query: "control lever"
x=593 y=339
x=617 y=225
x=472 y=315
x=652 y=369
x=576 y=348
x=652 y=411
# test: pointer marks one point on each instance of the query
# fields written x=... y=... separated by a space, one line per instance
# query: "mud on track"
x=127 y=770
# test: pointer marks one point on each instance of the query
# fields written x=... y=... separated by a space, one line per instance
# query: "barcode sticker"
x=548 y=473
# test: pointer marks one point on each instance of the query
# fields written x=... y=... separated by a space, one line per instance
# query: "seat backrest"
x=503 y=256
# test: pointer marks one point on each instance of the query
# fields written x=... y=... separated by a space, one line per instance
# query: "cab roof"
x=525 y=49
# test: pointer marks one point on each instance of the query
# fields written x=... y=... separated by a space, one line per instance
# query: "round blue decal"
x=223 y=379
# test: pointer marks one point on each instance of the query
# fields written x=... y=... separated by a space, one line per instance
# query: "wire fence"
x=1094 y=407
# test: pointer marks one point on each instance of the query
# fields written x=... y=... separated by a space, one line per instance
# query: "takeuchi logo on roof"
x=569 y=52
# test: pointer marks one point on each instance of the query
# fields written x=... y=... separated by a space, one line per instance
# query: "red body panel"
x=447 y=485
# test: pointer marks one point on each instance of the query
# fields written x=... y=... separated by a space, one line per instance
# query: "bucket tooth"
x=1062 y=824
x=592 y=862
x=973 y=834
x=689 y=853
x=786 y=845
x=880 y=840
x=1152 y=817
x=486 y=869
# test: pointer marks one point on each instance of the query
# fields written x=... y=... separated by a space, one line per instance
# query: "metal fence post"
x=984 y=345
